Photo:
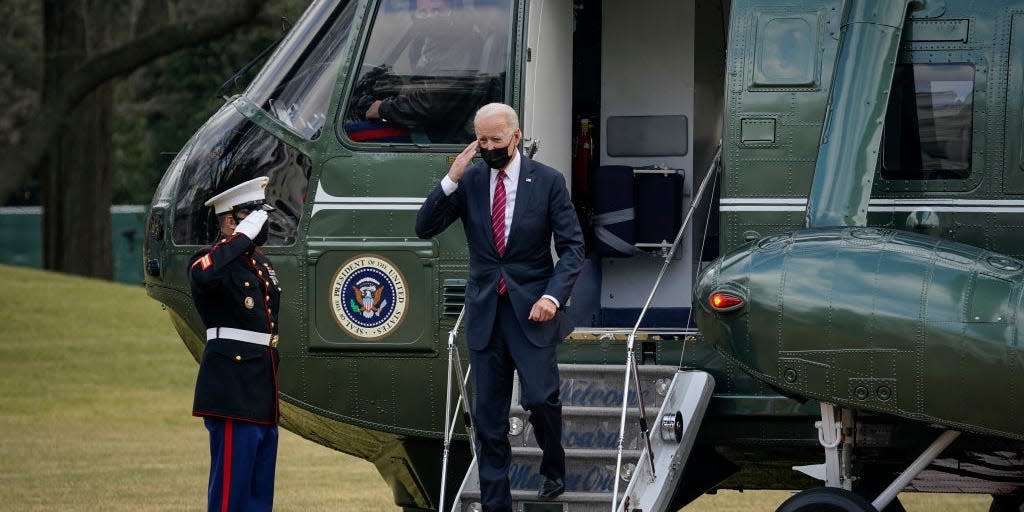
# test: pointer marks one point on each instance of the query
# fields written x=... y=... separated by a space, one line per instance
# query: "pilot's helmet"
x=247 y=196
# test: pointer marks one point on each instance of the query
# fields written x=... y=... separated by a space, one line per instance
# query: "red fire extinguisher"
x=581 y=160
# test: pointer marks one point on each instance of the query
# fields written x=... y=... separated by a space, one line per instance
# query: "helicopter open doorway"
x=646 y=80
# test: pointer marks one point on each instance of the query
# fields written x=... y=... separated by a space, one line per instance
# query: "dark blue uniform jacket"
x=234 y=285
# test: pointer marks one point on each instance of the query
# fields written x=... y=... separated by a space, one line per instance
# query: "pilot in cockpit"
x=431 y=82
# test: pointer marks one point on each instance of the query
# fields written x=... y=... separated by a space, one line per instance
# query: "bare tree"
x=66 y=137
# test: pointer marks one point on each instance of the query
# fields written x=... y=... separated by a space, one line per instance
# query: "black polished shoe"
x=551 y=489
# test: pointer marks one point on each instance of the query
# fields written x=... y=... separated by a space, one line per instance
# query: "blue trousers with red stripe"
x=243 y=457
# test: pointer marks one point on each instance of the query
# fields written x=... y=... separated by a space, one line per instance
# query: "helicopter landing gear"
x=894 y=506
x=869 y=488
x=826 y=499
x=921 y=462
x=835 y=433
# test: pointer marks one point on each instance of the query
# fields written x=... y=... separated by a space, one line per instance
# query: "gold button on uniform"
x=238 y=358
x=246 y=284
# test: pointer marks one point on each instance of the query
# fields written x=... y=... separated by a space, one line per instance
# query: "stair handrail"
x=631 y=365
x=455 y=362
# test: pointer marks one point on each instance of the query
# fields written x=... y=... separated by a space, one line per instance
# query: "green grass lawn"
x=96 y=410
x=95 y=414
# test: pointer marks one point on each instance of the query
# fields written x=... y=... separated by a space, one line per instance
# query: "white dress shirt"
x=511 y=186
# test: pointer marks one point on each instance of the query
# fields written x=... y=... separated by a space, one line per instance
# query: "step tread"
x=569 y=496
x=616 y=368
x=586 y=410
x=529 y=451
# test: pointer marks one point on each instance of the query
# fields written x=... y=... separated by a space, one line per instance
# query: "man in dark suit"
x=511 y=207
x=237 y=295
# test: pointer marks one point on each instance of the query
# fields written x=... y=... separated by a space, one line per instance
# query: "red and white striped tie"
x=498 y=224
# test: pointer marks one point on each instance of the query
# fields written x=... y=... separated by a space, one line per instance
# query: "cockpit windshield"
x=226 y=151
x=428 y=66
x=295 y=85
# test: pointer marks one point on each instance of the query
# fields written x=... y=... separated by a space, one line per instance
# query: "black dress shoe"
x=551 y=489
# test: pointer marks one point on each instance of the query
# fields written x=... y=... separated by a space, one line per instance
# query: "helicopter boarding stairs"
x=591 y=395
x=602 y=448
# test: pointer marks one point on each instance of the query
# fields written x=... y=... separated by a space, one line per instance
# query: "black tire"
x=826 y=499
x=1013 y=503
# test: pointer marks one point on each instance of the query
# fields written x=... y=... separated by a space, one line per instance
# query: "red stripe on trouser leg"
x=226 y=490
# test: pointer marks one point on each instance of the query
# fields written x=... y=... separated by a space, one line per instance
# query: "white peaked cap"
x=242 y=193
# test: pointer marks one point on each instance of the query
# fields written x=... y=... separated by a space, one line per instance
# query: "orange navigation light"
x=725 y=301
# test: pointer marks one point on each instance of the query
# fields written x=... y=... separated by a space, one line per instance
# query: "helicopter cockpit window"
x=929 y=122
x=296 y=84
x=228 y=150
x=429 y=65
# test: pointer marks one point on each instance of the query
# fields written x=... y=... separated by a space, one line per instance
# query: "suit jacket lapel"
x=524 y=195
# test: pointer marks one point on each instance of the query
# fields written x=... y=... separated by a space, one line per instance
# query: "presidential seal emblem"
x=368 y=297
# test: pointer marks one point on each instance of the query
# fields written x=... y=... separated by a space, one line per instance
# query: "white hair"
x=493 y=109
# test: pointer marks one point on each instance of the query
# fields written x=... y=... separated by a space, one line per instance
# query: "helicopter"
x=804 y=212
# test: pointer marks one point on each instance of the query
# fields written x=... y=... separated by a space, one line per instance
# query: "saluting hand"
x=542 y=310
x=252 y=224
x=462 y=162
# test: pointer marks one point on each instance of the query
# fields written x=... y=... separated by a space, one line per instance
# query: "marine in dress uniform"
x=511 y=208
x=237 y=295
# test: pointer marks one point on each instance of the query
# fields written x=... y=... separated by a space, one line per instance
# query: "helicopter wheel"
x=826 y=499
x=1004 y=503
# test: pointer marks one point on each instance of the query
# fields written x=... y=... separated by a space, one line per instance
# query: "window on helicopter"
x=428 y=66
x=929 y=122
x=296 y=84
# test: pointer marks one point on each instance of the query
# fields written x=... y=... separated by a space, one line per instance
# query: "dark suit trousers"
x=509 y=350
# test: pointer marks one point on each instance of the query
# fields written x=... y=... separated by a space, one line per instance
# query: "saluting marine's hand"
x=462 y=162
x=543 y=310
x=252 y=224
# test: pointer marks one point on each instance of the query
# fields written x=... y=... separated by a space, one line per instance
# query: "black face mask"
x=496 y=158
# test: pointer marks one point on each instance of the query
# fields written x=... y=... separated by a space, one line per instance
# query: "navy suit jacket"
x=542 y=210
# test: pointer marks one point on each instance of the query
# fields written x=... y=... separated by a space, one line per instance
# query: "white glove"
x=252 y=224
